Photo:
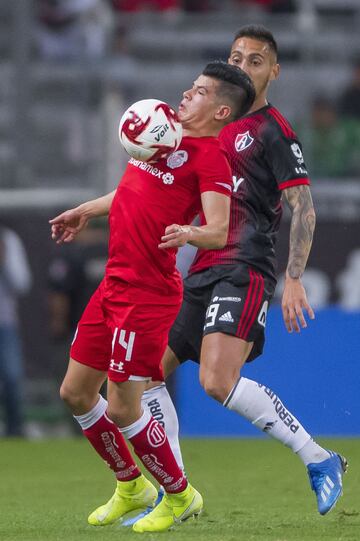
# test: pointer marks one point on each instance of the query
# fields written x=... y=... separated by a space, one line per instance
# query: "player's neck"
x=206 y=132
x=259 y=103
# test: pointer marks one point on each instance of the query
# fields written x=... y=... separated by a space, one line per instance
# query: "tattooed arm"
x=301 y=234
x=302 y=228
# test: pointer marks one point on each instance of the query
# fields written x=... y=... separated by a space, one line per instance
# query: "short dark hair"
x=259 y=32
x=235 y=86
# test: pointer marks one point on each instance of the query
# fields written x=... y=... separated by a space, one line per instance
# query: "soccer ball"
x=150 y=130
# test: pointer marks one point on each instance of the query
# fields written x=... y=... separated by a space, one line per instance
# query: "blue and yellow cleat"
x=129 y=496
x=326 y=481
x=173 y=509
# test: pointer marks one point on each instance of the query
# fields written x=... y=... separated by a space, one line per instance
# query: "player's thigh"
x=81 y=379
x=169 y=363
x=186 y=333
x=222 y=357
x=92 y=342
x=235 y=325
x=140 y=336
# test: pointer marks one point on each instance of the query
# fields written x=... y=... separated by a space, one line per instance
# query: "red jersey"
x=151 y=197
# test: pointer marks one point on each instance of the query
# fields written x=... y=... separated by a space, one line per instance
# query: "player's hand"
x=67 y=225
x=294 y=303
x=175 y=236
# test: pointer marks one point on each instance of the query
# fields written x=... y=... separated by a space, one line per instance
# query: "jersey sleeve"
x=214 y=171
x=285 y=158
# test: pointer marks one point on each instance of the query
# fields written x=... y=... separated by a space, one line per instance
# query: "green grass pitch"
x=253 y=490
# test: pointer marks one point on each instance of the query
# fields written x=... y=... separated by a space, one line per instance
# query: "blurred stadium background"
x=68 y=69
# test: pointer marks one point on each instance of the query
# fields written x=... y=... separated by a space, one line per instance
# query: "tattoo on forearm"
x=301 y=230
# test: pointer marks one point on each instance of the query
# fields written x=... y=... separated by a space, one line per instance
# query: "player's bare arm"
x=303 y=219
x=68 y=224
x=302 y=228
x=213 y=235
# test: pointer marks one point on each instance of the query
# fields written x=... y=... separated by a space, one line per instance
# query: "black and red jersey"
x=265 y=157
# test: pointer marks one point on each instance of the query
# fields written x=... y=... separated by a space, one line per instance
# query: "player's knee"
x=213 y=387
x=64 y=393
x=74 y=399
x=115 y=415
x=123 y=414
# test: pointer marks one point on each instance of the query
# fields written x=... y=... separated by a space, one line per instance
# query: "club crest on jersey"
x=243 y=141
x=177 y=159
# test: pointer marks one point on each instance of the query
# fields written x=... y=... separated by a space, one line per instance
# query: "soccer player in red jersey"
x=228 y=291
x=123 y=331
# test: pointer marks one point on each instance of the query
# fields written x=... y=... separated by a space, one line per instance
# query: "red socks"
x=152 y=447
x=148 y=439
x=110 y=444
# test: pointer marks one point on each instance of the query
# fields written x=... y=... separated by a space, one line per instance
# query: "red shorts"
x=126 y=339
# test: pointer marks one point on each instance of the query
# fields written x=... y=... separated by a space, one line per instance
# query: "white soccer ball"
x=150 y=130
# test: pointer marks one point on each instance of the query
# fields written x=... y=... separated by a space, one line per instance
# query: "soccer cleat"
x=132 y=520
x=129 y=496
x=172 y=509
x=326 y=481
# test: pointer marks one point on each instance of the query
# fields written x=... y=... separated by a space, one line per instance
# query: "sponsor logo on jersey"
x=177 y=159
x=167 y=178
x=230 y=299
x=227 y=317
x=156 y=434
x=117 y=367
x=237 y=182
x=297 y=153
x=301 y=171
x=243 y=141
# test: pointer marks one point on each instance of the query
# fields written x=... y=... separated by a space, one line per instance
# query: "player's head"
x=235 y=88
x=221 y=94
x=255 y=50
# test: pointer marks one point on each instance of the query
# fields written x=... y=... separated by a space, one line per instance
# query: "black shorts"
x=227 y=299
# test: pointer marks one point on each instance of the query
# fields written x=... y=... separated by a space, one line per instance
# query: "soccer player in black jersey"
x=227 y=293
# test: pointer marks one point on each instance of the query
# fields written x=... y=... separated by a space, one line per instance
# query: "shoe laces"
x=317 y=476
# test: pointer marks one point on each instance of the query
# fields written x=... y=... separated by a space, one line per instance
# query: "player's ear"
x=223 y=112
x=275 y=72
